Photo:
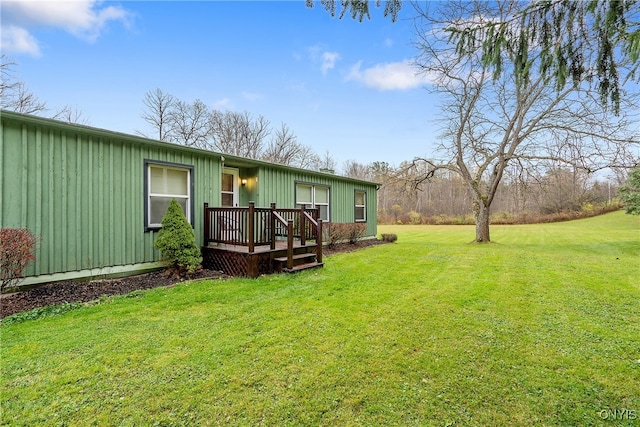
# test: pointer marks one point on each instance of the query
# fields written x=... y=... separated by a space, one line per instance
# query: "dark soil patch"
x=346 y=247
x=75 y=291
x=78 y=292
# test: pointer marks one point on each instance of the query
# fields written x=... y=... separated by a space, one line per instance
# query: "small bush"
x=345 y=232
x=355 y=232
x=177 y=242
x=337 y=234
x=17 y=250
x=415 y=218
x=389 y=237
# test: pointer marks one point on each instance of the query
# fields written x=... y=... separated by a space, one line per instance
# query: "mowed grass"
x=541 y=327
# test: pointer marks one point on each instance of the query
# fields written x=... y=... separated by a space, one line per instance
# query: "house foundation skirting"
x=88 y=274
x=240 y=262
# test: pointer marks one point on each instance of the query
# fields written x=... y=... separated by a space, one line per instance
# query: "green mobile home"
x=96 y=199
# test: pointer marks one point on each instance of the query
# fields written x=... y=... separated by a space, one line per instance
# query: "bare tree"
x=326 y=163
x=71 y=114
x=159 y=107
x=354 y=169
x=285 y=149
x=494 y=120
x=189 y=124
x=383 y=173
x=561 y=189
x=238 y=134
x=307 y=157
x=14 y=95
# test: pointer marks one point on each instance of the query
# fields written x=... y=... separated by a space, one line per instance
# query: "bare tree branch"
x=159 y=107
x=492 y=120
x=14 y=95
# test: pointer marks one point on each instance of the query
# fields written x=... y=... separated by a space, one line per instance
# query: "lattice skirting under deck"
x=237 y=263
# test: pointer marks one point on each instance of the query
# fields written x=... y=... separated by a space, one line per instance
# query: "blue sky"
x=340 y=85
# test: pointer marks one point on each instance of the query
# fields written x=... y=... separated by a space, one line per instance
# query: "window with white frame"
x=360 y=206
x=314 y=197
x=165 y=182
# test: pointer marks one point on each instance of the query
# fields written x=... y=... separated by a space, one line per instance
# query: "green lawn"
x=540 y=328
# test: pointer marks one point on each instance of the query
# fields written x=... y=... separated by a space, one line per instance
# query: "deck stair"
x=301 y=262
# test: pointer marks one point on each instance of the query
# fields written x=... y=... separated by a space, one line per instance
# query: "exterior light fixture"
x=244 y=181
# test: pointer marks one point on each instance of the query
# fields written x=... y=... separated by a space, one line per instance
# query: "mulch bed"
x=78 y=292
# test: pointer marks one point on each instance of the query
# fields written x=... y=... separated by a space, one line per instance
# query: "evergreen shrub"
x=177 y=242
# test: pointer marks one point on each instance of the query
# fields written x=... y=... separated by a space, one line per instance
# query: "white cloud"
x=387 y=76
x=319 y=55
x=329 y=61
x=82 y=18
x=18 y=40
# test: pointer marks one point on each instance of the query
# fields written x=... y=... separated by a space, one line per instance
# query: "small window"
x=360 y=206
x=164 y=183
x=314 y=197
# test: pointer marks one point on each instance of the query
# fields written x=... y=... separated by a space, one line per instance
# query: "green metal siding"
x=82 y=191
x=281 y=190
x=83 y=194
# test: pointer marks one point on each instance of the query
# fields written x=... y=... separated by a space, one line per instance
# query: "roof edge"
x=74 y=127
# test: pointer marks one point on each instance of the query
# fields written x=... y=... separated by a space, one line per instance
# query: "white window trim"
x=236 y=177
x=188 y=197
x=364 y=206
x=314 y=203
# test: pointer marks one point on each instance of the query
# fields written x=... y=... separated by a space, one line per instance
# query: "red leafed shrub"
x=17 y=250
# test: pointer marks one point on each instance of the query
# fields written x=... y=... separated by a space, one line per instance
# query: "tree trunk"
x=481 y=216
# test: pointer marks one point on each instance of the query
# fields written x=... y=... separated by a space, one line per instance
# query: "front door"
x=230 y=187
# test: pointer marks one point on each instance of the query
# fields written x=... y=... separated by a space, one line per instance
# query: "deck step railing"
x=251 y=226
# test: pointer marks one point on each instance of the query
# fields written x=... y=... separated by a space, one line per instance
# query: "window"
x=315 y=197
x=360 y=206
x=164 y=182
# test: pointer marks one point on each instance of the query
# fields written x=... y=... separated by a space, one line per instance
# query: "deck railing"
x=251 y=226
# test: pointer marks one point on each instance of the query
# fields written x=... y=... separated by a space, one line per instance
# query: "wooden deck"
x=280 y=245
x=250 y=241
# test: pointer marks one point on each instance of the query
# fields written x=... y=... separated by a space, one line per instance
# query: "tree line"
x=550 y=192
x=229 y=132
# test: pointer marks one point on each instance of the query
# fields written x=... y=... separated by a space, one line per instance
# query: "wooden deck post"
x=207 y=221
x=272 y=227
x=251 y=227
x=290 y=244
x=319 y=241
x=303 y=228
